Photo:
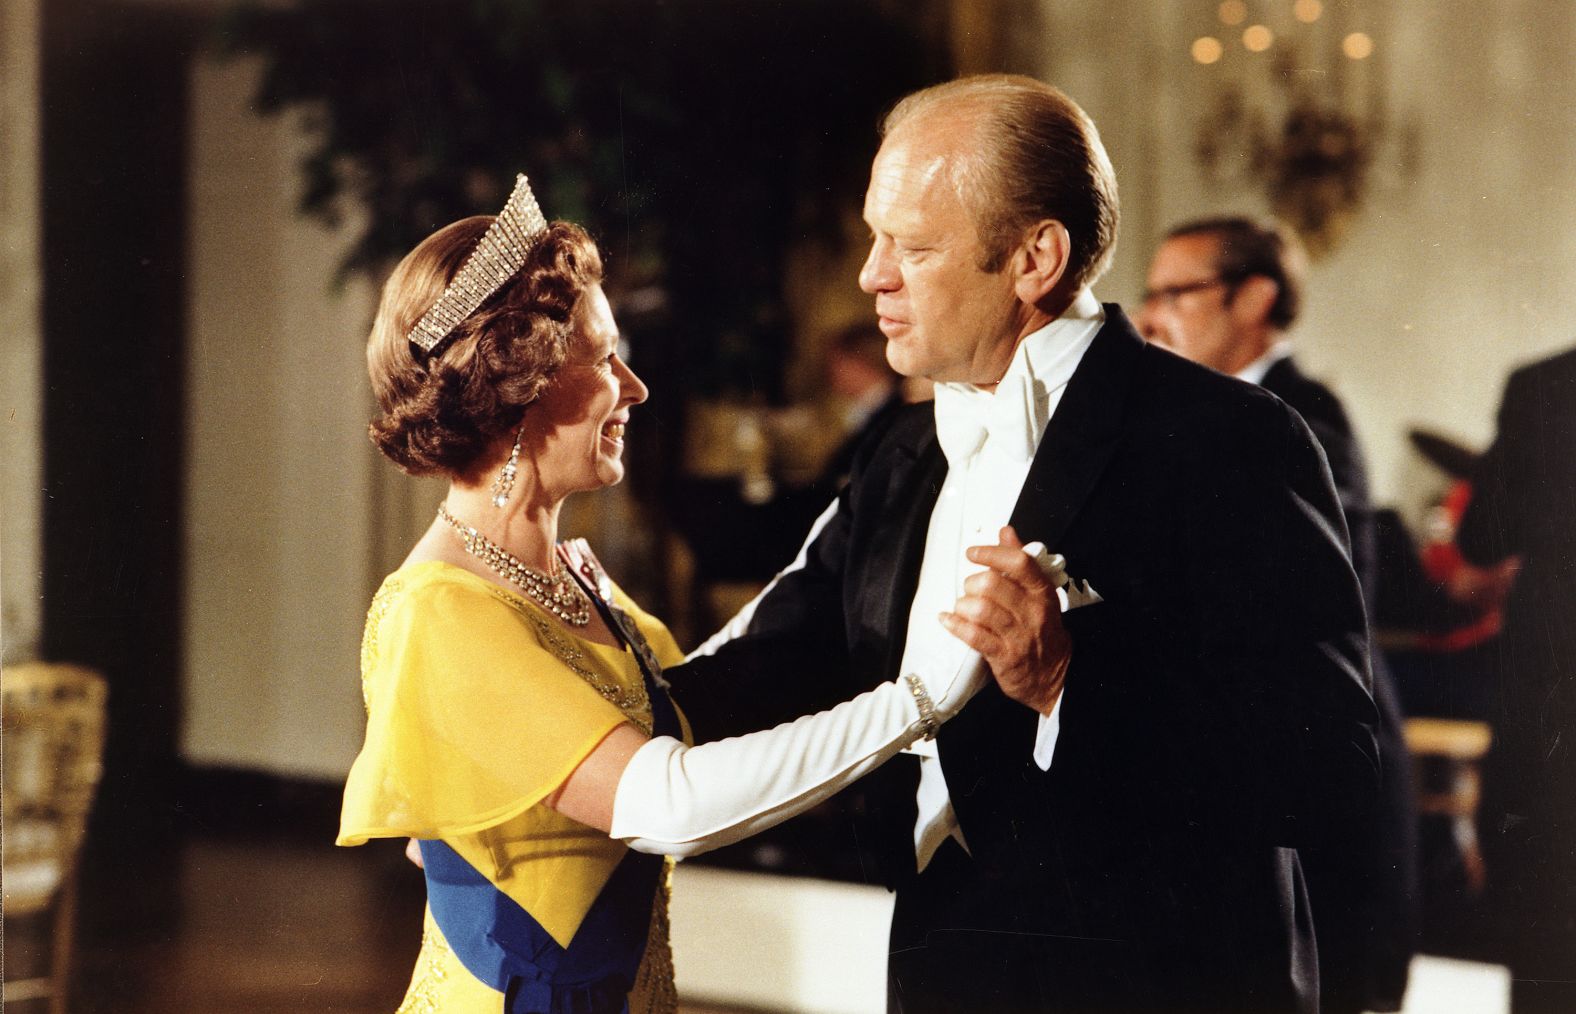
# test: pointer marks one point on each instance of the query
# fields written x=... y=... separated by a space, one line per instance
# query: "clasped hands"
x=1010 y=614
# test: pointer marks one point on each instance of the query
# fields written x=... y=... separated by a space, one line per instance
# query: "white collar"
x=1019 y=409
x=1254 y=372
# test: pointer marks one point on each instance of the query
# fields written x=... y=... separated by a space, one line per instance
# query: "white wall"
x=1451 y=281
x=21 y=335
x=281 y=494
x=1446 y=279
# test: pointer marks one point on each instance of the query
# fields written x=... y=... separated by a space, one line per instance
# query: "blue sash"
x=500 y=943
x=503 y=946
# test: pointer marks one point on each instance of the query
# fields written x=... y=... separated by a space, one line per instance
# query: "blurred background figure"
x=1436 y=618
x=1524 y=499
x=1223 y=292
x=870 y=392
x=1436 y=614
x=781 y=467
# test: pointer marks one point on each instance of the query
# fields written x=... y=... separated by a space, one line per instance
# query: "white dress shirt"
x=1254 y=372
x=975 y=501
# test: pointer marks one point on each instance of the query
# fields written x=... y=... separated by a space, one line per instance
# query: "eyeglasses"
x=1169 y=294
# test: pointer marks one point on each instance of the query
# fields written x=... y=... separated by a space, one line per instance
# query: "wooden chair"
x=53 y=734
x=1447 y=754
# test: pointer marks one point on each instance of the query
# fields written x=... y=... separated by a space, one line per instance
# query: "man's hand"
x=413 y=853
x=1010 y=614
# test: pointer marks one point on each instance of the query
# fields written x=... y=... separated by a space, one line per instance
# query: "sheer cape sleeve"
x=471 y=717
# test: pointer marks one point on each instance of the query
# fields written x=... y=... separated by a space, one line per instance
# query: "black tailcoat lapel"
x=913 y=491
x=1082 y=435
x=1078 y=443
x=888 y=546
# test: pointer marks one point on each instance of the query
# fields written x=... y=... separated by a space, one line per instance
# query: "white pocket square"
x=1071 y=593
x=1075 y=595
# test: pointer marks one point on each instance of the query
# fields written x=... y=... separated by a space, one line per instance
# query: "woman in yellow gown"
x=517 y=721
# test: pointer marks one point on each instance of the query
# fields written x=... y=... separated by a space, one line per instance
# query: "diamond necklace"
x=558 y=594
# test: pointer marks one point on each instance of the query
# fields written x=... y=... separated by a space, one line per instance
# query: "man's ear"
x=1041 y=261
x=1254 y=297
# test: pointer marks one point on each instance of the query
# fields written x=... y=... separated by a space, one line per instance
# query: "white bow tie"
x=966 y=417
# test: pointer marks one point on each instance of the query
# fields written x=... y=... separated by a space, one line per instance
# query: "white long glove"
x=679 y=801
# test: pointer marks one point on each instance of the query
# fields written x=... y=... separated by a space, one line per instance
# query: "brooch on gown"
x=577 y=555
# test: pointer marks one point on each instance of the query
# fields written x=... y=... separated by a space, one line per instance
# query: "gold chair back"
x=52 y=731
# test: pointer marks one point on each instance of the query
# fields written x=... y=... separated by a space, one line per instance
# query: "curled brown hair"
x=440 y=411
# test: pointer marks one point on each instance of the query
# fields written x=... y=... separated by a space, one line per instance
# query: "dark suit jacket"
x=1364 y=896
x=840 y=464
x=1216 y=714
x=1524 y=503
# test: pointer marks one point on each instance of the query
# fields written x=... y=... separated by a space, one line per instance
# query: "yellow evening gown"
x=480 y=705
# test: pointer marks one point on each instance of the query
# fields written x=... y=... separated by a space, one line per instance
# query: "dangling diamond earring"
x=504 y=484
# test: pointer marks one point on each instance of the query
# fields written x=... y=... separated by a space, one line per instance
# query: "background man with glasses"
x=1223 y=292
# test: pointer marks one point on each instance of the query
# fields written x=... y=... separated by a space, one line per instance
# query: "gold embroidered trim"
x=381 y=603
x=423 y=995
x=632 y=701
x=654 y=991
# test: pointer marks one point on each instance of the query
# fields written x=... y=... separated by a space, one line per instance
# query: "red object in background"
x=1443 y=562
x=1441 y=559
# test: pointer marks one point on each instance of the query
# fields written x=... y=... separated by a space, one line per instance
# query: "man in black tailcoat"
x=1113 y=824
x=1224 y=292
x=1523 y=504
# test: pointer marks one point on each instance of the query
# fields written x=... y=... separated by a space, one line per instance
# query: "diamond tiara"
x=497 y=257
